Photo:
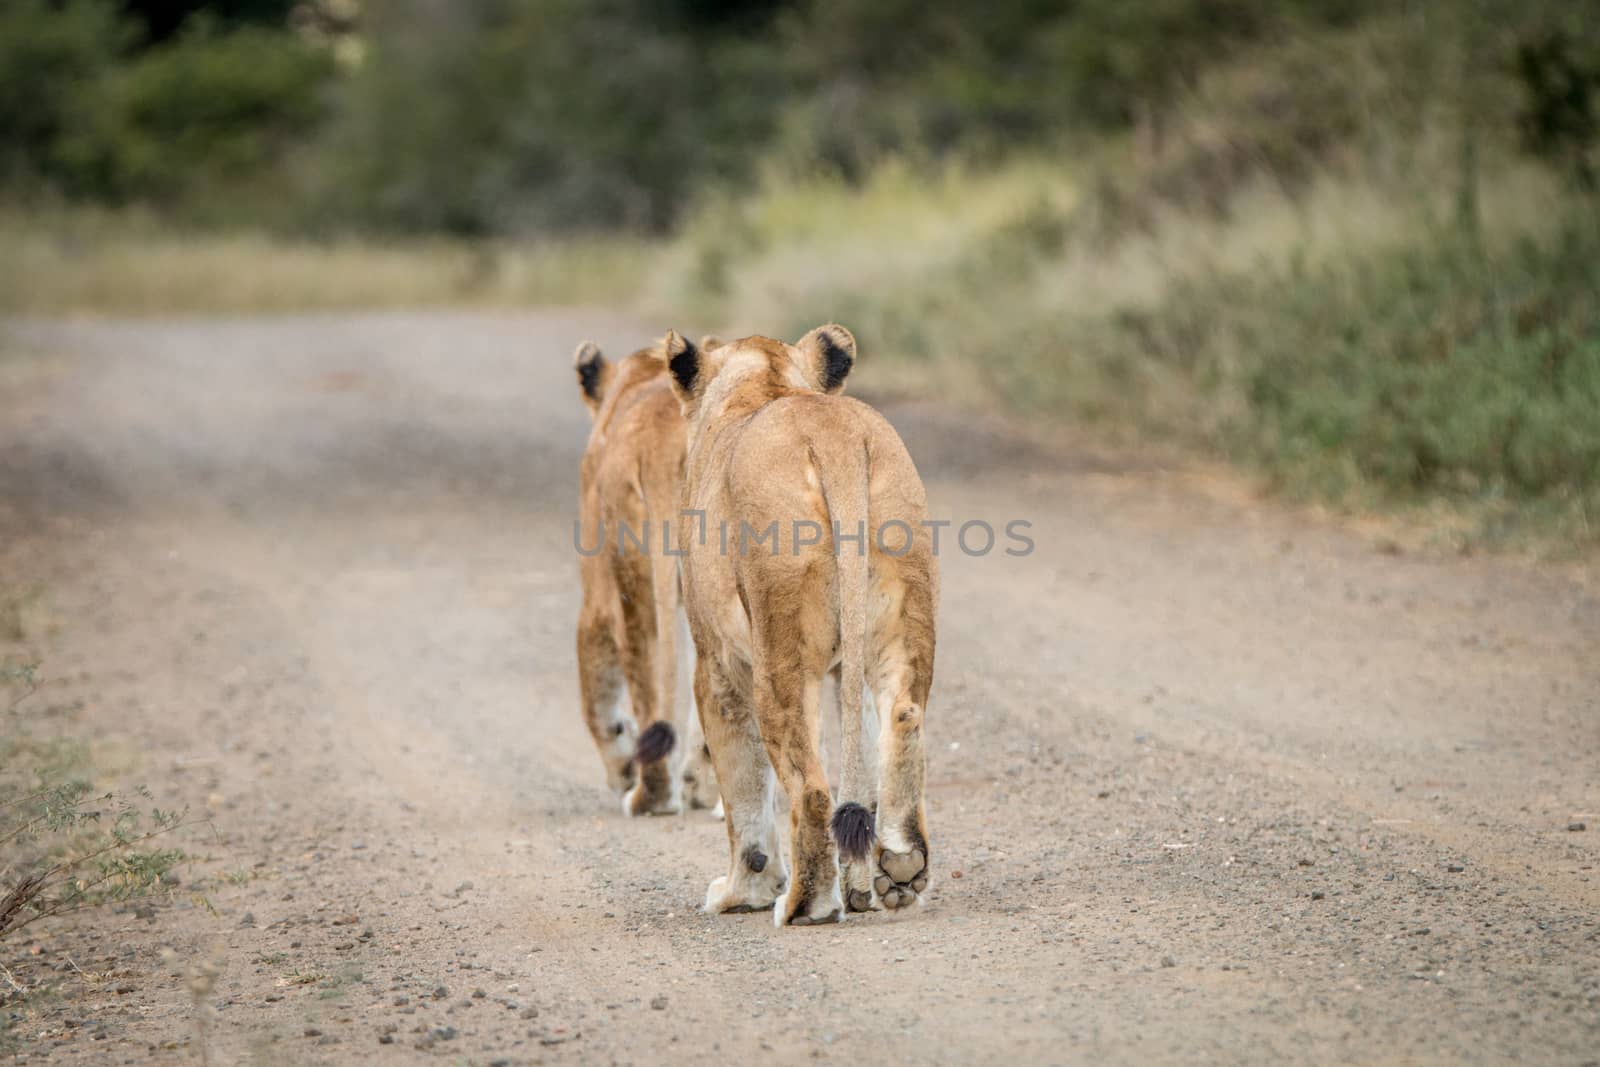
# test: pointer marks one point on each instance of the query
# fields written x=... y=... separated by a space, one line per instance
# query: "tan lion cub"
x=630 y=480
x=807 y=552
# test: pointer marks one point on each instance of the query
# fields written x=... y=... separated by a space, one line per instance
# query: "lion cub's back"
x=636 y=458
x=800 y=440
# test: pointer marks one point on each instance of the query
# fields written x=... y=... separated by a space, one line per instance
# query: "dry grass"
x=745 y=260
x=74 y=264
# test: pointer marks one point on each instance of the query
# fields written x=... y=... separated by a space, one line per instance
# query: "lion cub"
x=808 y=552
x=630 y=480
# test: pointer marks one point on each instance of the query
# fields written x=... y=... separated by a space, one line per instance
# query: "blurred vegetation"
x=511 y=117
x=95 y=112
x=1347 y=242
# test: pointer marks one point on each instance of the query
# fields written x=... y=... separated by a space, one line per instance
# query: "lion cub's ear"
x=685 y=366
x=828 y=353
x=710 y=341
x=594 y=374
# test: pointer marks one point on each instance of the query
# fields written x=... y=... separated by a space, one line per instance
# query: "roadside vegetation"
x=1349 y=245
x=66 y=847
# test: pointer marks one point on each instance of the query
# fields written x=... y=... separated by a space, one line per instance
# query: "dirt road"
x=1210 y=782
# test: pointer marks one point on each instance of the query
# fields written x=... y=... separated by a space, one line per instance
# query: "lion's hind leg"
x=902 y=861
x=901 y=871
x=756 y=872
x=787 y=707
x=655 y=790
x=600 y=685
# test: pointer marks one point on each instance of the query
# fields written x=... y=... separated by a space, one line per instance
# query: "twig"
x=20 y=895
x=11 y=980
x=30 y=684
x=25 y=797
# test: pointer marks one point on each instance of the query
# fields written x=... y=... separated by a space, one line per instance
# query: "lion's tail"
x=658 y=739
x=847 y=498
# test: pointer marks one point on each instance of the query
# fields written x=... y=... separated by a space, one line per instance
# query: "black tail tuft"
x=655 y=743
x=852 y=831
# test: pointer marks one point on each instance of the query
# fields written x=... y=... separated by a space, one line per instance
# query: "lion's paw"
x=855 y=879
x=655 y=793
x=638 y=802
x=902 y=876
x=754 y=890
x=823 y=908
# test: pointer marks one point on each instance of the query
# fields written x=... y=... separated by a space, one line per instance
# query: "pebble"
x=659 y=1003
x=440 y=992
x=1577 y=827
x=1317 y=894
x=443 y=1033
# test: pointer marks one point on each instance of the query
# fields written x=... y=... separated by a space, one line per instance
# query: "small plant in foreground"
x=63 y=847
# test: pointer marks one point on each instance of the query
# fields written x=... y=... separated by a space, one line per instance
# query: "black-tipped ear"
x=830 y=352
x=683 y=364
x=594 y=373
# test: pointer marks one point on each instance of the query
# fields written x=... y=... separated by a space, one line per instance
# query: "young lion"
x=810 y=553
x=630 y=481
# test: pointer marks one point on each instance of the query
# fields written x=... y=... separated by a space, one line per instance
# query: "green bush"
x=1560 y=116
x=1447 y=369
x=497 y=117
x=52 y=59
x=206 y=110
